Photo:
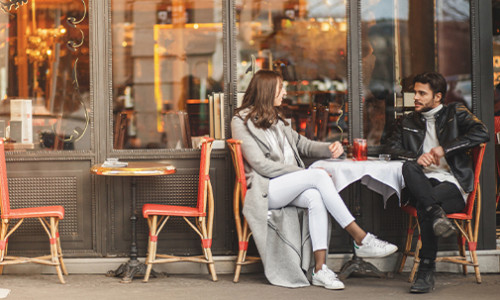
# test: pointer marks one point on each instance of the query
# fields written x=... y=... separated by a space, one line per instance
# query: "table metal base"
x=131 y=269
x=359 y=266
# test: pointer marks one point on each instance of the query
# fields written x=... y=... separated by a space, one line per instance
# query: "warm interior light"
x=41 y=42
x=325 y=26
x=343 y=26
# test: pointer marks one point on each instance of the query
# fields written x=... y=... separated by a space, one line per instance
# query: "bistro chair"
x=52 y=213
x=463 y=222
x=240 y=190
x=158 y=214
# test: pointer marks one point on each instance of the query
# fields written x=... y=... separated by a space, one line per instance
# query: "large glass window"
x=307 y=42
x=44 y=75
x=402 y=38
x=167 y=61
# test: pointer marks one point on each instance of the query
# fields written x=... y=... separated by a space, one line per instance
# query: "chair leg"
x=409 y=240
x=207 y=247
x=461 y=250
x=3 y=241
x=476 y=265
x=237 y=270
x=152 y=244
x=59 y=250
x=243 y=248
x=53 y=249
x=472 y=249
x=211 y=266
x=416 y=260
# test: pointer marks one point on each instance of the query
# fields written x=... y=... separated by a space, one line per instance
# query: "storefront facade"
x=135 y=79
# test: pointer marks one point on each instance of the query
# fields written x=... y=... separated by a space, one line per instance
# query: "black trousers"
x=424 y=192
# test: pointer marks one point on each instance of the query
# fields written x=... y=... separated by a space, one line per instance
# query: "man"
x=438 y=171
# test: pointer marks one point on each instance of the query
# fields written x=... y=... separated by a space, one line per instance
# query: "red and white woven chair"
x=51 y=226
x=203 y=213
x=463 y=221
x=240 y=190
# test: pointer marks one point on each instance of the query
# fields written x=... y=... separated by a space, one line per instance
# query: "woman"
x=276 y=176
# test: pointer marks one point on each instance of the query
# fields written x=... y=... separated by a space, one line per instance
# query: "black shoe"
x=424 y=282
x=441 y=225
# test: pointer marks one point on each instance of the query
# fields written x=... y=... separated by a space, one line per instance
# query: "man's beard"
x=425 y=109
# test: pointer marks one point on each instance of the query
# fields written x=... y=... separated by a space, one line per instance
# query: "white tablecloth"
x=383 y=177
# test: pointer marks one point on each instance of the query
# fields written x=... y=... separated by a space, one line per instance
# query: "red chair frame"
x=51 y=226
x=462 y=220
x=240 y=190
x=158 y=214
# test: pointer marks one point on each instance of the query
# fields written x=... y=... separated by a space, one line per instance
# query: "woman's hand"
x=336 y=149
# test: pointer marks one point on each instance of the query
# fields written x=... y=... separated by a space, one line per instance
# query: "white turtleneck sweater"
x=441 y=172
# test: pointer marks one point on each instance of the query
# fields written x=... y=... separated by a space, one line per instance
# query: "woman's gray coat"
x=282 y=238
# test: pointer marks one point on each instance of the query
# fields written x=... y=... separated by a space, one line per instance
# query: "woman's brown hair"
x=259 y=98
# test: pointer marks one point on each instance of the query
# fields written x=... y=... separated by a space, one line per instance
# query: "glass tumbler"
x=359 y=149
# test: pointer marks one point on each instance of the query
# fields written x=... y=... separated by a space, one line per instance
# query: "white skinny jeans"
x=312 y=189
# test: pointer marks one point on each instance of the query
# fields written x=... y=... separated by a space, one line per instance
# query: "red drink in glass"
x=355 y=147
x=359 y=149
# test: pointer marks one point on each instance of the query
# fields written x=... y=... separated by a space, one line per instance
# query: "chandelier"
x=41 y=42
x=6 y=6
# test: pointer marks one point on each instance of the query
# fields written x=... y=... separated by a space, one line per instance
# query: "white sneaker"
x=327 y=278
x=373 y=247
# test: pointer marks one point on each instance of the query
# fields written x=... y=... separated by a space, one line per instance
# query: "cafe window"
x=167 y=64
x=44 y=75
x=402 y=38
x=306 y=41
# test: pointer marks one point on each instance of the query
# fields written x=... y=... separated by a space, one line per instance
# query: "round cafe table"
x=133 y=170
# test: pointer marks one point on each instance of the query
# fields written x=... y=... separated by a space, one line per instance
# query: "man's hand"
x=437 y=152
x=336 y=149
x=426 y=159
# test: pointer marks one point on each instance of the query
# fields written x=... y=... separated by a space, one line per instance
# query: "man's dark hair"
x=435 y=80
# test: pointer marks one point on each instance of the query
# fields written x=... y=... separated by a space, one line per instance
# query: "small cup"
x=359 y=150
x=384 y=157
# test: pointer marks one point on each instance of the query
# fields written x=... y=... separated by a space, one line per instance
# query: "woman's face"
x=280 y=93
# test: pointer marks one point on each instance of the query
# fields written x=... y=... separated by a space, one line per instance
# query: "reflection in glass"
x=306 y=41
x=167 y=61
x=496 y=61
x=402 y=38
x=44 y=60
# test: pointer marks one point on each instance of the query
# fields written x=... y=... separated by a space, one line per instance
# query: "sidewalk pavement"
x=251 y=286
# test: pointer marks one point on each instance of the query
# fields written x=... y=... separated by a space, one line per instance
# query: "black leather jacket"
x=457 y=130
